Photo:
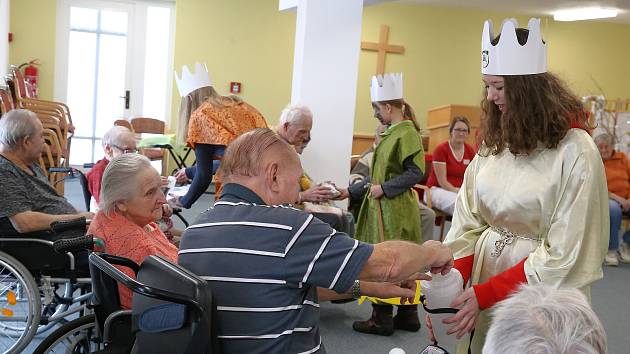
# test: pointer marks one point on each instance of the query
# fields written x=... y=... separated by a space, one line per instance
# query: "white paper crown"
x=508 y=57
x=387 y=87
x=188 y=82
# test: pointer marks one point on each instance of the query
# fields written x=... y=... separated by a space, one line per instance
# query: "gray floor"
x=610 y=301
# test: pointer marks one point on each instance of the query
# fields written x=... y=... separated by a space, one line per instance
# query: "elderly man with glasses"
x=117 y=141
x=29 y=203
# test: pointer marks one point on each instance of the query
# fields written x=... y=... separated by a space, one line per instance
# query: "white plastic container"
x=440 y=293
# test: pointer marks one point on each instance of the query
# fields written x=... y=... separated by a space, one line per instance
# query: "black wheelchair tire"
x=66 y=331
x=35 y=306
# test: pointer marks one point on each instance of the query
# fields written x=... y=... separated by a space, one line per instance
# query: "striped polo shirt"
x=264 y=264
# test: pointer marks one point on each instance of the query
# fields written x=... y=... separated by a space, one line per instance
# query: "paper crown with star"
x=386 y=87
x=189 y=82
x=508 y=56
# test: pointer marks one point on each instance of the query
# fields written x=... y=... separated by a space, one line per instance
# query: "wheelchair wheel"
x=20 y=305
x=78 y=336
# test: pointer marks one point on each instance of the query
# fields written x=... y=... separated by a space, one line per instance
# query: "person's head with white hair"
x=295 y=124
x=540 y=319
x=21 y=135
x=117 y=141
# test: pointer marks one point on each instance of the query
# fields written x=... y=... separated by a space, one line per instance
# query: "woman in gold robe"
x=533 y=207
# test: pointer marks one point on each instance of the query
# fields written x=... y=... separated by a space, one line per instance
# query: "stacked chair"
x=55 y=118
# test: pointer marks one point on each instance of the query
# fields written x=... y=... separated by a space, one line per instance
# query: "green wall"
x=440 y=64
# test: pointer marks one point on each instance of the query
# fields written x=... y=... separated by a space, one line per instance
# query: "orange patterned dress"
x=219 y=126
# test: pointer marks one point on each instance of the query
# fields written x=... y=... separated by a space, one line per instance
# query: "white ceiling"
x=533 y=7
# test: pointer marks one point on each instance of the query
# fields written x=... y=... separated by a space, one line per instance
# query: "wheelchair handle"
x=73 y=244
x=74 y=224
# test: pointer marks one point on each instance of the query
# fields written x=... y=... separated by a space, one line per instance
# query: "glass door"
x=114 y=61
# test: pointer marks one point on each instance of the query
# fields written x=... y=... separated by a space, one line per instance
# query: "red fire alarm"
x=10 y=37
x=235 y=87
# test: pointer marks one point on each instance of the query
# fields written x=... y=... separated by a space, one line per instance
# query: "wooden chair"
x=6 y=101
x=151 y=126
x=123 y=123
x=441 y=217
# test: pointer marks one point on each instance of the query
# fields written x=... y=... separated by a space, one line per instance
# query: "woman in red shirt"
x=617 y=169
x=450 y=160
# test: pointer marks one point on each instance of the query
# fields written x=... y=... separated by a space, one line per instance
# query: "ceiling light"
x=586 y=13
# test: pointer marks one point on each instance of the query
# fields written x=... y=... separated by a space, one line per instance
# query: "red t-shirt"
x=94 y=178
x=454 y=169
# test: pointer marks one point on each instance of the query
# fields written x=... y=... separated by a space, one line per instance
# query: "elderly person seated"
x=29 y=203
x=617 y=169
x=131 y=201
x=269 y=265
x=117 y=141
x=542 y=319
x=294 y=127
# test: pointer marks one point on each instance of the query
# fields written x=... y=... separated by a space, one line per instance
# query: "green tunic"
x=400 y=214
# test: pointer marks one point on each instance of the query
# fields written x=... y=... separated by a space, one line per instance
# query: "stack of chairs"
x=55 y=117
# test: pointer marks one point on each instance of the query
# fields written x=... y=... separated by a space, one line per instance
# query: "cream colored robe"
x=557 y=196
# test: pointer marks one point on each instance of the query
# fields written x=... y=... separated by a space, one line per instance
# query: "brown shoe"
x=381 y=322
x=407 y=318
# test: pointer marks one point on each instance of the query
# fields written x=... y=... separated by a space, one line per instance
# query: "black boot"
x=407 y=318
x=380 y=323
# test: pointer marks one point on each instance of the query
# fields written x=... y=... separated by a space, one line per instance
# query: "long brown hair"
x=193 y=100
x=407 y=110
x=540 y=109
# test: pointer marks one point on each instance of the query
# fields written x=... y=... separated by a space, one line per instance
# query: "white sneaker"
x=624 y=252
x=611 y=258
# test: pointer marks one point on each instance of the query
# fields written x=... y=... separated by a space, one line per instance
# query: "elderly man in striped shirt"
x=269 y=264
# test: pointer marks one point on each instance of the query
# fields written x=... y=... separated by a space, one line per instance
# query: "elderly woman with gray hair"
x=540 y=319
x=617 y=168
x=131 y=201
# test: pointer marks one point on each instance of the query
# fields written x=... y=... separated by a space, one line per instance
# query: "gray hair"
x=114 y=135
x=540 y=319
x=120 y=181
x=16 y=125
x=604 y=138
x=294 y=113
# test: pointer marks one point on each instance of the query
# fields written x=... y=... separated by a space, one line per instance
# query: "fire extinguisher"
x=31 y=76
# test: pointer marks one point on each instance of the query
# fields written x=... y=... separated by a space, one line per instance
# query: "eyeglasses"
x=460 y=130
x=125 y=150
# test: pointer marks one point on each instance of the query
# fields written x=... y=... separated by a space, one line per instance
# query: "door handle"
x=127 y=98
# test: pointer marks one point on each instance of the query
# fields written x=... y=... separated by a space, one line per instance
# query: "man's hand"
x=343 y=194
x=376 y=191
x=405 y=290
x=316 y=194
x=443 y=257
x=180 y=176
x=466 y=318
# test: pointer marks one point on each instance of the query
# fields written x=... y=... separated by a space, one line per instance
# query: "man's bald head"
x=265 y=163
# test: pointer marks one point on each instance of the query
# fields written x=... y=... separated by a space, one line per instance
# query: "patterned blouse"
x=219 y=126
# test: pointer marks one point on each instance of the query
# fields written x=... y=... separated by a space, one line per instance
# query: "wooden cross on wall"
x=382 y=47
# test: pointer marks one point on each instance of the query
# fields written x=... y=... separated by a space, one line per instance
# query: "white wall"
x=325 y=69
x=4 y=42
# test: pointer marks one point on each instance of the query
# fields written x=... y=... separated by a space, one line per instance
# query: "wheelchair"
x=173 y=312
x=38 y=282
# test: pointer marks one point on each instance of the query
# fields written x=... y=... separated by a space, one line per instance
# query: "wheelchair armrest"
x=140 y=288
x=80 y=243
x=74 y=224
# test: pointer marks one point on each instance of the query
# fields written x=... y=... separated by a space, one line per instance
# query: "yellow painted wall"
x=33 y=25
x=254 y=47
x=441 y=62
